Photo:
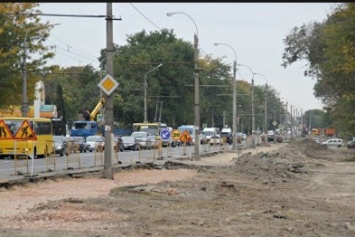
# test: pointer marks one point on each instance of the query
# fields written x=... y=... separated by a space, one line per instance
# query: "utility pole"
x=107 y=172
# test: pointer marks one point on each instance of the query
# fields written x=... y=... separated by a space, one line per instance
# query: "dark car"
x=60 y=144
x=130 y=143
x=83 y=146
x=351 y=144
x=118 y=144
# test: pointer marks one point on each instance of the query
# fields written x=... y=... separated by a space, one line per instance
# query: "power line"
x=52 y=35
x=144 y=16
x=69 y=15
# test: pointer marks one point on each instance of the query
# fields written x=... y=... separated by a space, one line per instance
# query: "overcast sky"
x=254 y=30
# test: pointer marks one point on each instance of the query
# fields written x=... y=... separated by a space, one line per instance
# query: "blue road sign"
x=165 y=134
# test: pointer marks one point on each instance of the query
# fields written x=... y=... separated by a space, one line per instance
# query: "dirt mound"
x=286 y=162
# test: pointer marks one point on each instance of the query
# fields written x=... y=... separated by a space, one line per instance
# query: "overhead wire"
x=145 y=16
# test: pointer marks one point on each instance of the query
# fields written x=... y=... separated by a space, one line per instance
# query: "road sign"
x=108 y=84
x=165 y=134
x=281 y=126
x=25 y=132
x=5 y=132
x=185 y=137
x=274 y=123
x=175 y=134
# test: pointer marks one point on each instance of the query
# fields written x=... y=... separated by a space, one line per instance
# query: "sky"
x=254 y=31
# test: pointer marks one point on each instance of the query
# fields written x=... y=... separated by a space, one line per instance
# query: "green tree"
x=329 y=49
x=20 y=25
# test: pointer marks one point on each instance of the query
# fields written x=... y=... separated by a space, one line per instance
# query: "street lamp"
x=197 y=88
x=25 y=107
x=265 y=119
x=145 y=92
x=252 y=106
x=234 y=95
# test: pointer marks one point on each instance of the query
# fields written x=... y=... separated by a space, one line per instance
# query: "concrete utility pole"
x=107 y=172
x=197 y=87
x=234 y=110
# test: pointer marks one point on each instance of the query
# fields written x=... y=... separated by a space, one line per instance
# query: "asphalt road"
x=11 y=169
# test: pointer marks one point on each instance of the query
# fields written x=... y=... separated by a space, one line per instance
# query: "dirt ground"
x=296 y=189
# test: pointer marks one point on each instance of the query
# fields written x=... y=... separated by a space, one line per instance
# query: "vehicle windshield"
x=57 y=139
x=139 y=134
x=126 y=139
x=208 y=133
x=93 y=139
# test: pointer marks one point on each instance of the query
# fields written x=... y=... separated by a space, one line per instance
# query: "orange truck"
x=329 y=132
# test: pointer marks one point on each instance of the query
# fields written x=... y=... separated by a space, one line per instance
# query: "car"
x=83 y=146
x=60 y=144
x=154 y=142
x=270 y=136
x=95 y=142
x=215 y=140
x=334 y=142
x=130 y=143
x=72 y=146
x=144 y=139
x=351 y=144
x=227 y=135
x=203 y=138
x=118 y=143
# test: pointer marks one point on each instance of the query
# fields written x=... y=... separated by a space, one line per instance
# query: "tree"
x=329 y=48
x=19 y=22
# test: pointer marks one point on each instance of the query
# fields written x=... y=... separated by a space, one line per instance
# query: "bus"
x=315 y=131
x=153 y=129
x=31 y=137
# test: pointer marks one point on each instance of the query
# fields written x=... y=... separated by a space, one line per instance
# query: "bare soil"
x=296 y=189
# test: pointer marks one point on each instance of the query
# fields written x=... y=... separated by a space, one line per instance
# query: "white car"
x=334 y=142
x=144 y=139
x=94 y=142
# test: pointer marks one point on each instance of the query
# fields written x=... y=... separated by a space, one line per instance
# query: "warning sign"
x=185 y=137
x=25 y=132
x=5 y=132
x=175 y=134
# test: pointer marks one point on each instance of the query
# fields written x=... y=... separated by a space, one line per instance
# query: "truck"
x=329 y=132
x=88 y=127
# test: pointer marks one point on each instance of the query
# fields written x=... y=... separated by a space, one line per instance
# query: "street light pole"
x=25 y=107
x=235 y=130
x=197 y=87
x=252 y=106
x=145 y=92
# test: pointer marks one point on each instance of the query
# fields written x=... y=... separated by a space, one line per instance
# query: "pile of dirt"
x=286 y=162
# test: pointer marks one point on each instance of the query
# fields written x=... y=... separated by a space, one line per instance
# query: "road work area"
x=299 y=188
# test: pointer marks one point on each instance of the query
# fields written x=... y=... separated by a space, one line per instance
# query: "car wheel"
x=61 y=153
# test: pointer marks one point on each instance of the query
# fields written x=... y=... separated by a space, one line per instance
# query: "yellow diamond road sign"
x=108 y=84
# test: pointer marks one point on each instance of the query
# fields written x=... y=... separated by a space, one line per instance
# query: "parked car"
x=118 y=144
x=144 y=139
x=60 y=144
x=334 y=142
x=351 y=144
x=95 y=142
x=83 y=146
x=130 y=143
